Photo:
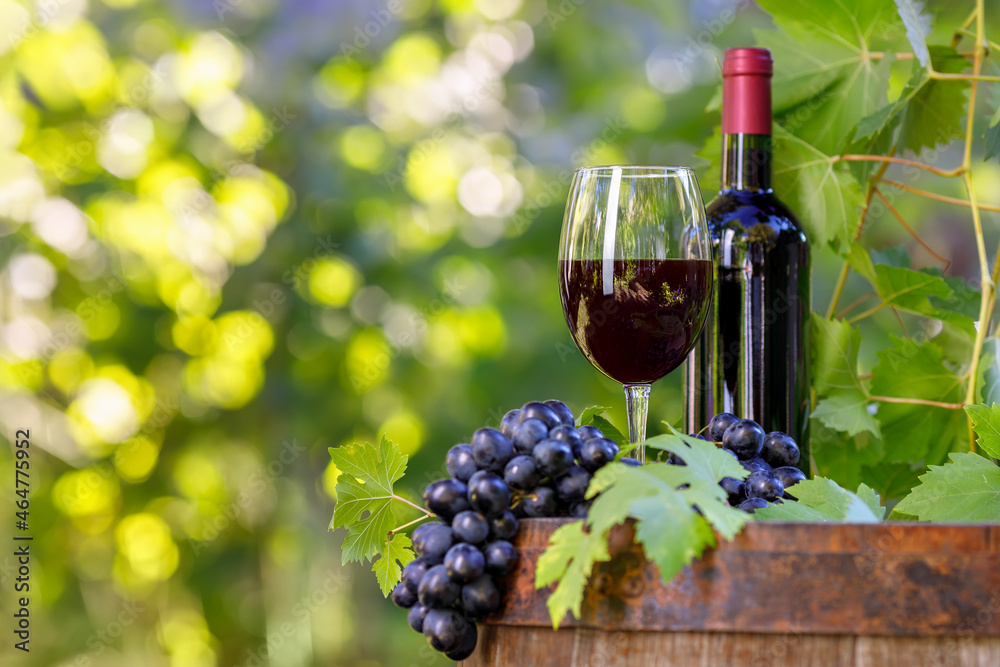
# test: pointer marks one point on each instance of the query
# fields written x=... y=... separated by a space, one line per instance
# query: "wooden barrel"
x=813 y=595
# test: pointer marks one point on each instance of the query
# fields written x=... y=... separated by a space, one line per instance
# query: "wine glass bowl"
x=635 y=274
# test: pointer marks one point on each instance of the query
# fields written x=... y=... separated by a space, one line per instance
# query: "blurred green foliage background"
x=236 y=233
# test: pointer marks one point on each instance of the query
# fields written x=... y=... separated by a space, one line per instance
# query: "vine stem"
x=407 y=525
x=867 y=313
x=918 y=401
x=985 y=281
x=852 y=157
x=412 y=504
x=913 y=233
x=947 y=76
x=937 y=197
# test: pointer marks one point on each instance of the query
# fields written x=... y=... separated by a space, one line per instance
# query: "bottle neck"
x=746 y=162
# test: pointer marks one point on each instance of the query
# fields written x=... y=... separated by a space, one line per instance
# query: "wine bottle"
x=753 y=355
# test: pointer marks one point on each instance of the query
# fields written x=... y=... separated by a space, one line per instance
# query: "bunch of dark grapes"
x=769 y=457
x=536 y=465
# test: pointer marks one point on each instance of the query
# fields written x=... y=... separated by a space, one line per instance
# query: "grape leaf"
x=593 y=416
x=365 y=485
x=387 y=570
x=986 y=422
x=705 y=461
x=569 y=559
x=915 y=432
x=918 y=26
x=965 y=490
x=913 y=290
x=990 y=391
x=860 y=260
x=847 y=410
x=992 y=137
x=671 y=534
x=897 y=256
x=871 y=498
x=843 y=458
x=835 y=355
x=588 y=414
x=828 y=500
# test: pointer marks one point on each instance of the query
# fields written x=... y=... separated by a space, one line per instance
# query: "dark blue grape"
x=521 y=473
x=579 y=510
x=719 y=423
x=491 y=449
x=734 y=487
x=416 y=617
x=432 y=541
x=596 y=453
x=562 y=411
x=698 y=436
x=541 y=502
x=437 y=590
x=414 y=572
x=780 y=450
x=463 y=563
x=460 y=463
x=572 y=486
x=553 y=457
x=541 y=412
x=589 y=432
x=488 y=494
x=445 y=629
x=569 y=435
x=501 y=558
x=446 y=498
x=755 y=464
x=504 y=527
x=527 y=434
x=751 y=505
x=629 y=461
x=745 y=438
x=789 y=476
x=403 y=596
x=467 y=646
x=509 y=421
x=470 y=526
x=764 y=485
x=480 y=597
x=675 y=460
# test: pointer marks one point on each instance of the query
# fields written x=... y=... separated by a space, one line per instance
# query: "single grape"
x=572 y=486
x=675 y=460
x=470 y=526
x=745 y=437
x=488 y=494
x=521 y=473
x=414 y=572
x=527 y=434
x=463 y=563
x=491 y=449
x=780 y=450
x=764 y=485
x=719 y=423
x=579 y=510
x=501 y=557
x=735 y=488
x=416 y=617
x=446 y=498
x=540 y=411
x=755 y=464
x=789 y=476
x=432 y=541
x=504 y=527
x=460 y=463
x=562 y=411
x=403 y=596
x=467 y=646
x=480 y=597
x=445 y=629
x=589 y=432
x=509 y=421
x=596 y=453
x=541 y=502
x=698 y=436
x=569 y=435
x=751 y=505
x=552 y=457
x=629 y=461
x=437 y=590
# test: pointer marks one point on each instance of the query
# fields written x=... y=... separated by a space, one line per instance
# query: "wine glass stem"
x=637 y=406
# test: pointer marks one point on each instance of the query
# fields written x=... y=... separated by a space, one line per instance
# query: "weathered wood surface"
x=792 y=594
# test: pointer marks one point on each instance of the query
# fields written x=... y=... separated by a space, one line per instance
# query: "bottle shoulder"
x=743 y=211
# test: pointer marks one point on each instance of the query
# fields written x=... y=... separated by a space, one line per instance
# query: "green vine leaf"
x=594 y=416
x=924 y=293
x=914 y=432
x=569 y=559
x=918 y=26
x=846 y=410
x=395 y=555
x=986 y=422
x=992 y=137
x=967 y=490
x=823 y=500
x=990 y=364
x=367 y=475
x=835 y=355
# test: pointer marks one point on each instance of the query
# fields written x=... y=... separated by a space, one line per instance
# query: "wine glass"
x=635 y=275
